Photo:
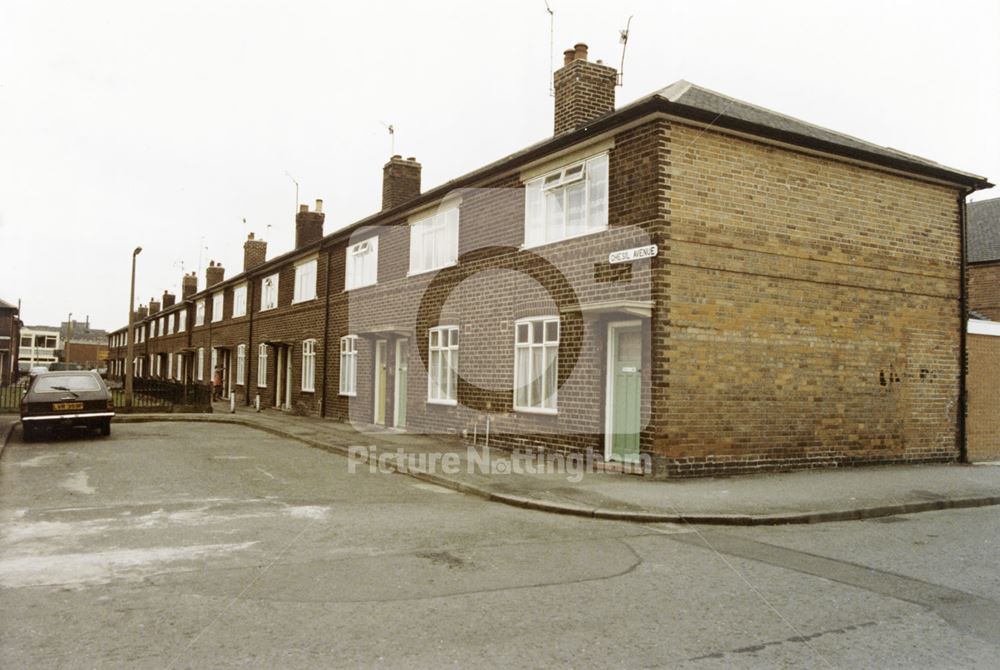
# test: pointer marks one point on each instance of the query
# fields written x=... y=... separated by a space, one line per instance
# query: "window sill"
x=268 y=309
x=417 y=273
x=355 y=288
x=538 y=245
x=444 y=403
x=307 y=390
x=348 y=395
x=545 y=411
x=299 y=302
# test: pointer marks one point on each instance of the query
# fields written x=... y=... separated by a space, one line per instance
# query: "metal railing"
x=164 y=394
x=10 y=397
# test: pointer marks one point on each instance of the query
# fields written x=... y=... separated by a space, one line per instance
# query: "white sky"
x=162 y=124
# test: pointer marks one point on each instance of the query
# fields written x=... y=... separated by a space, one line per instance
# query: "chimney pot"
x=400 y=181
x=584 y=91
x=309 y=225
x=254 y=253
x=214 y=274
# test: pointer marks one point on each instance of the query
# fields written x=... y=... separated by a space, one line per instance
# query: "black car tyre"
x=29 y=432
x=106 y=427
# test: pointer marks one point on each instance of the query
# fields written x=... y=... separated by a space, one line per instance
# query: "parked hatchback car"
x=66 y=399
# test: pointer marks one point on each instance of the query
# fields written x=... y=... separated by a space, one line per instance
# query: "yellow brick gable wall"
x=814 y=311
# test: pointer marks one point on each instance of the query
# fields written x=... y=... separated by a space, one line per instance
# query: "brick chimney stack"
x=189 y=285
x=583 y=90
x=168 y=299
x=400 y=181
x=309 y=225
x=154 y=306
x=143 y=312
x=214 y=274
x=255 y=251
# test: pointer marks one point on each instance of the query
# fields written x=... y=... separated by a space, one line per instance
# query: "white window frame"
x=305 y=280
x=199 y=313
x=241 y=364
x=171 y=322
x=182 y=320
x=240 y=300
x=161 y=326
x=440 y=230
x=443 y=341
x=218 y=303
x=261 y=366
x=269 y=292
x=349 y=365
x=595 y=219
x=170 y=366
x=309 y=365
x=201 y=364
x=365 y=253
x=180 y=367
x=526 y=346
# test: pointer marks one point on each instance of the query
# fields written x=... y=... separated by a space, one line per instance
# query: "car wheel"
x=106 y=428
x=29 y=432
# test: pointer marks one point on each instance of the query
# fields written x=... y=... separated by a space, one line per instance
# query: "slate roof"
x=698 y=98
x=983 y=226
x=6 y=305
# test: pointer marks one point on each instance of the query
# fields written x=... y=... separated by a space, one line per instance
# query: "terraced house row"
x=689 y=278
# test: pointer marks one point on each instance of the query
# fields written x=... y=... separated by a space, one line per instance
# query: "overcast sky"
x=166 y=124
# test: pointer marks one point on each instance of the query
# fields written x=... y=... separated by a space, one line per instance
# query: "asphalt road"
x=193 y=546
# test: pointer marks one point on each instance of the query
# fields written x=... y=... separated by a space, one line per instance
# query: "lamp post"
x=130 y=335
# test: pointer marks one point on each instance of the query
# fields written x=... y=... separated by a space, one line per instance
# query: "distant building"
x=83 y=344
x=39 y=347
x=984 y=257
x=10 y=339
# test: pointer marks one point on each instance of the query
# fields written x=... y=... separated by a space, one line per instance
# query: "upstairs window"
x=171 y=321
x=161 y=327
x=362 y=264
x=217 y=303
x=269 y=292
x=240 y=301
x=182 y=320
x=442 y=375
x=199 y=313
x=305 y=281
x=434 y=241
x=567 y=203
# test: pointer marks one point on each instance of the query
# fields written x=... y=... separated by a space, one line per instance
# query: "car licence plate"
x=67 y=405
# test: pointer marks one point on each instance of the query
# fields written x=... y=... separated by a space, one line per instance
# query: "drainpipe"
x=326 y=336
x=250 y=347
x=963 y=455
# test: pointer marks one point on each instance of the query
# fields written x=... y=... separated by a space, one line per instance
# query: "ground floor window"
x=180 y=367
x=262 y=366
x=536 y=355
x=309 y=365
x=201 y=364
x=349 y=365
x=442 y=373
x=241 y=364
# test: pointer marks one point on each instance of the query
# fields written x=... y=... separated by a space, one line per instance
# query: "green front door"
x=626 y=389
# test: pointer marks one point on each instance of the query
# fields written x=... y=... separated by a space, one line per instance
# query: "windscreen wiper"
x=63 y=388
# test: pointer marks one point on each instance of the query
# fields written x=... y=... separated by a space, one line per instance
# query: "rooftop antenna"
x=203 y=248
x=623 y=38
x=392 y=137
x=552 y=46
x=267 y=231
x=296 y=208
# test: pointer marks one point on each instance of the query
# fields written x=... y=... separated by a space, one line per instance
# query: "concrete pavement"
x=767 y=499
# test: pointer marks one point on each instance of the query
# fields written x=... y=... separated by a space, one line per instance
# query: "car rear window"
x=67 y=383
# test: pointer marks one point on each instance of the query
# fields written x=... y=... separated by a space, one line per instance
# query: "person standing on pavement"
x=217 y=383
